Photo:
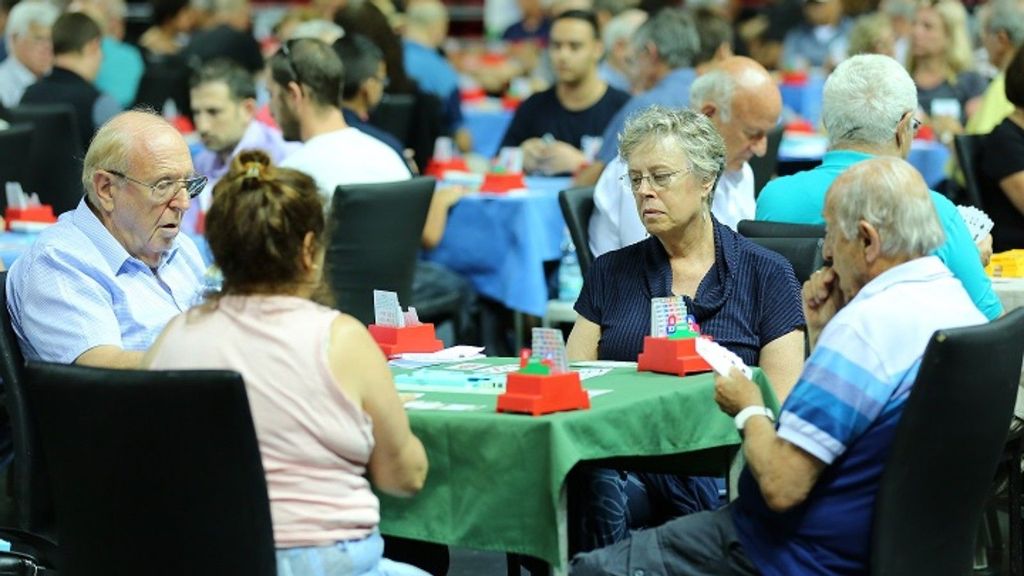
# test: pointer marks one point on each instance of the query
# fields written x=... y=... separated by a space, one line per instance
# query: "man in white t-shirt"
x=744 y=104
x=305 y=96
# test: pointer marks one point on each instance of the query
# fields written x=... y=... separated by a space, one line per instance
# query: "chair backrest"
x=968 y=148
x=394 y=114
x=945 y=451
x=375 y=237
x=577 y=206
x=54 y=169
x=154 y=472
x=33 y=502
x=764 y=167
x=15 y=147
x=801 y=244
x=166 y=78
x=764 y=228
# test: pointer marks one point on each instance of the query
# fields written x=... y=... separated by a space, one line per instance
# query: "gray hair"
x=717 y=86
x=623 y=25
x=692 y=131
x=24 y=15
x=323 y=30
x=673 y=34
x=865 y=98
x=1007 y=16
x=891 y=195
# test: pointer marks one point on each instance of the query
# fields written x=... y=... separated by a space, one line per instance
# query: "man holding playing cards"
x=869 y=317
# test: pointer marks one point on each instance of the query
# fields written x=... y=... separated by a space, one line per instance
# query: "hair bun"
x=250 y=167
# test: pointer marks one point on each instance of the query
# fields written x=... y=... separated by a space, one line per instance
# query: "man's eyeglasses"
x=165 y=189
x=657 y=181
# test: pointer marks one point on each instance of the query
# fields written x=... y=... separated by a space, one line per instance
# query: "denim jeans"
x=349 y=558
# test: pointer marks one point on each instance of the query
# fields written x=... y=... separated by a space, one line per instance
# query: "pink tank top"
x=315 y=443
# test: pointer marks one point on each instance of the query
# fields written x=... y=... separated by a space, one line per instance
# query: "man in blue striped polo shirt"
x=808 y=490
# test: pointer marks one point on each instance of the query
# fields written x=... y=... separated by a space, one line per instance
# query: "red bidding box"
x=500 y=183
x=538 y=394
x=394 y=341
x=671 y=356
x=437 y=169
x=41 y=213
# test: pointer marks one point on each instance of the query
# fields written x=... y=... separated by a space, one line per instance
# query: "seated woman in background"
x=940 y=60
x=1001 y=170
x=744 y=296
x=322 y=398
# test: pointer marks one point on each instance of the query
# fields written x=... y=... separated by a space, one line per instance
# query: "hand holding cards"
x=721 y=359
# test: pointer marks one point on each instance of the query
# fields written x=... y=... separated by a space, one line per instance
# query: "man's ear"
x=709 y=109
x=103 y=187
x=870 y=240
x=249 y=107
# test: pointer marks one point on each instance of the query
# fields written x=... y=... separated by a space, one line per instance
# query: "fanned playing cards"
x=721 y=359
x=978 y=223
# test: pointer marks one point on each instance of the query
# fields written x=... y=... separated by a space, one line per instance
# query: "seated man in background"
x=76 y=60
x=98 y=286
x=809 y=486
x=743 y=102
x=868 y=109
x=29 y=49
x=559 y=130
x=366 y=76
x=223 y=97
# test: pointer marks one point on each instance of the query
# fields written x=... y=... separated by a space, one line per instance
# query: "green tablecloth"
x=495 y=479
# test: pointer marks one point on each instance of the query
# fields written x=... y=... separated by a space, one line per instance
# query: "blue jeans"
x=612 y=503
x=349 y=558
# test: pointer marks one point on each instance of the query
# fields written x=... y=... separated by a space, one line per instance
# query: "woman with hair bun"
x=323 y=402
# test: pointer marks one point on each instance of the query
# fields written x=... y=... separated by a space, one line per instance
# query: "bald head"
x=125 y=141
x=743 y=102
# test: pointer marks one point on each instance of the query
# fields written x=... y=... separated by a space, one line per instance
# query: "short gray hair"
x=323 y=30
x=24 y=15
x=623 y=25
x=717 y=86
x=865 y=98
x=891 y=195
x=693 y=131
x=1007 y=16
x=673 y=34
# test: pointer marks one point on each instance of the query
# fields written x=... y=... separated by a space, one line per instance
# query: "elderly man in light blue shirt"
x=99 y=286
x=29 y=49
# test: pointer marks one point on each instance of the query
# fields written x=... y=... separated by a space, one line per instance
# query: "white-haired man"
x=868 y=110
x=808 y=490
x=744 y=104
x=29 y=49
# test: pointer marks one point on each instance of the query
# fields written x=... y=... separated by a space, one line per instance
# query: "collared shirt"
x=208 y=163
x=844 y=411
x=353 y=120
x=435 y=75
x=615 y=222
x=748 y=298
x=78 y=288
x=672 y=91
x=14 y=79
x=800 y=198
x=613 y=77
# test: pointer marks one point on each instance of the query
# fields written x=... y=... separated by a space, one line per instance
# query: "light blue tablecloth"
x=805 y=99
x=500 y=242
x=487 y=126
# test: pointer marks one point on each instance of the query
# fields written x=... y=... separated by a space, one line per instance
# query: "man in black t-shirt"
x=559 y=130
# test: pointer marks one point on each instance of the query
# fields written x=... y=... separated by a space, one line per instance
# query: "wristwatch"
x=745 y=414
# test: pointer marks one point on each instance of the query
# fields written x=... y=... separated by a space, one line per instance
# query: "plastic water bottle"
x=570 y=279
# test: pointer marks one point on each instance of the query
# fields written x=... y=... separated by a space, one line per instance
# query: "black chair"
x=577 y=206
x=394 y=114
x=166 y=78
x=15 y=145
x=54 y=169
x=801 y=244
x=765 y=167
x=154 y=472
x=33 y=503
x=945 y=450
x=375 y=235
x=763 y=228
x=968 y=151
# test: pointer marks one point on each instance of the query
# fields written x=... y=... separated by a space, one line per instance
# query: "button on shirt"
x=78 y=288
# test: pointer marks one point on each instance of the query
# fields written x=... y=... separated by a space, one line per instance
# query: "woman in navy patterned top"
x=744 y=296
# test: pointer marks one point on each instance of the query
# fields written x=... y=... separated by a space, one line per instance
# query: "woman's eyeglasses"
x=657 y=181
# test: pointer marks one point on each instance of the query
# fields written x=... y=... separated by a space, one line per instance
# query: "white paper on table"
x=453 y=354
